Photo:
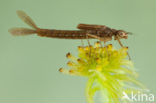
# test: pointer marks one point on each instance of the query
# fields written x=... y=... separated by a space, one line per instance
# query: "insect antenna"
x=129 y=33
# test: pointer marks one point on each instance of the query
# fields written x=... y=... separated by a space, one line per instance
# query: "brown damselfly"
x=86 y=31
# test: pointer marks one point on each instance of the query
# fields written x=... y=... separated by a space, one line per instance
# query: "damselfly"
x=86 y=31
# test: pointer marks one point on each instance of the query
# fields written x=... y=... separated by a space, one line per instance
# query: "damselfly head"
x=122 y=34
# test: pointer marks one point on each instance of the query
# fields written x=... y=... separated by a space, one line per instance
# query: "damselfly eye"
x=123 y=34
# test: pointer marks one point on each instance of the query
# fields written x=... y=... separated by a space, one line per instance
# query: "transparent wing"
x=91 y=27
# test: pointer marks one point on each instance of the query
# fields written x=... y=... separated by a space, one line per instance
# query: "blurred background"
x=29 y=65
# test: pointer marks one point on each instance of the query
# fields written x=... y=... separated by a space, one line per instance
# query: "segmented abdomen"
x=65 y=34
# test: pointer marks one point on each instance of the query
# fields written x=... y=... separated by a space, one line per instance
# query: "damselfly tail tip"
x=13 y=31
x=19 y=11
x=21 y=31
x=25 y=18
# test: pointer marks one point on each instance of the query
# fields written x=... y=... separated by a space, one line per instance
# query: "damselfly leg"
x=100 y=39
x=96 y=37
x=123 y=46
x=88 y=43
x=82 y=43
